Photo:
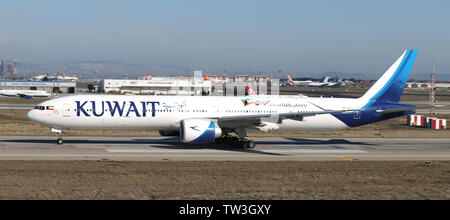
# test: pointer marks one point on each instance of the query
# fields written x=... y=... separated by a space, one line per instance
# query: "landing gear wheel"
x=250 y=144
x=59 y=135
x=245 y=144
x=235 y=142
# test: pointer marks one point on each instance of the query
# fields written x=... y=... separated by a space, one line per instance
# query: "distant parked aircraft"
x=54 y=78
x=297 y=83
x=28 y=94
x=320 y=84
x=335 y=84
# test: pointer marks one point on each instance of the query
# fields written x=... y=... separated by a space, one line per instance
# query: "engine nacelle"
x=199 y=131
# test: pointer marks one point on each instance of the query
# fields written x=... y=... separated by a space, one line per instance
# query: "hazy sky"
x=242 y=35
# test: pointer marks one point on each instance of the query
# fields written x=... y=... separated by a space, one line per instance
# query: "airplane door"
x=357 y=115
x=66 y=110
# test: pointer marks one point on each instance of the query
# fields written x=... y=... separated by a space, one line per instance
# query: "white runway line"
x=210 y=156
x=314 y=151
x=305 y=151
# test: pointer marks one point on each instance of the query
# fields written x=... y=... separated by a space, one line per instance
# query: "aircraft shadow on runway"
x=302 y=141
x=166 y=143
x=174 y=144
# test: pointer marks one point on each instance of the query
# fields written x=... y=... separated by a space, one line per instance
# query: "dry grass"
x=223 y=180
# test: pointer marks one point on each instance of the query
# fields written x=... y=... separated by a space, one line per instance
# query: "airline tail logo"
x=289 y=78
x=250 y=91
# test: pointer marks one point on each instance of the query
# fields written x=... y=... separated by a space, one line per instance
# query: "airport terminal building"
x=49 y=86
x=164 y=86
x=427 y=85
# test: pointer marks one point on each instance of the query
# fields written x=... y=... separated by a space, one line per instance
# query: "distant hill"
x=341 y=75
x=117 y=69
x=426 y=76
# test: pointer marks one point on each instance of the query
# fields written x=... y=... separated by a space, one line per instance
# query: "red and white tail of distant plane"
x=297 y=83
x=250 y=91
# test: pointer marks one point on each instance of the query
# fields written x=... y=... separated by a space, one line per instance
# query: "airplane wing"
x=258 y=119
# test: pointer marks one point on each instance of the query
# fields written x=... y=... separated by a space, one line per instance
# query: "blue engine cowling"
x=199 y=131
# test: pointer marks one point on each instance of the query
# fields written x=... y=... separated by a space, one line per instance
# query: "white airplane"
x=28 y=94
x=335 y=84
x=67 y=78
x=320 y=84
x=210 y=119
x=55 y=78
x=297 y=83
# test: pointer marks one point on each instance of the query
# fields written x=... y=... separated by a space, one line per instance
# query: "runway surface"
x=17 y=106
x=267 y=149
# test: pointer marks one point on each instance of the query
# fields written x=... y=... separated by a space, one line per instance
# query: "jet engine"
x=199 y=131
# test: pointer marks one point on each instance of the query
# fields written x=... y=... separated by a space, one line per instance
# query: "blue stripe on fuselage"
x=370 y=114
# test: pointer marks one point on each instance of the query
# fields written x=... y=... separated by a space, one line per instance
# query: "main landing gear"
x=59 y=135
x=236 y=142
x=240 y=141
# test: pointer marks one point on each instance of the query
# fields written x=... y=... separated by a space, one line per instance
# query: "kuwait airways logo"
x=195 y=128
x=122 y=109
x=250 y=101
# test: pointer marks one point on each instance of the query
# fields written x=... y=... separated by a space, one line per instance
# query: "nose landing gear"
x=59 y=135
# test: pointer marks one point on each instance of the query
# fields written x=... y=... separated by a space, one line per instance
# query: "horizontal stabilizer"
x=394 y=107
x=395 y=110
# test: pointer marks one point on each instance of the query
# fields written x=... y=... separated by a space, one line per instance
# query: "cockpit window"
x=38 y=107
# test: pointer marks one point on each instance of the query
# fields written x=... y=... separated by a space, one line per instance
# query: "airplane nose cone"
x=32 y=115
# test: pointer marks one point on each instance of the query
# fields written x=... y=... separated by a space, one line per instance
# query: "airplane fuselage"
x=166 y=112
